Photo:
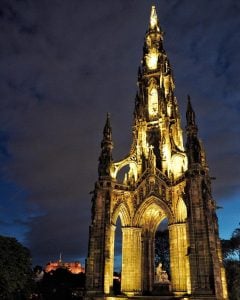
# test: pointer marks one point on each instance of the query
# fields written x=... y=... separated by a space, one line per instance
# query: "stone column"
x=148 y=267
x=131 y=261
x=109 y=258
x=179 y=263
x=95 y=260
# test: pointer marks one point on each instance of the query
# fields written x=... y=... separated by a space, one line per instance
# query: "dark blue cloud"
x=64 y=65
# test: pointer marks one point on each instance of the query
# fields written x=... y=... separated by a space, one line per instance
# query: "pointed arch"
x=178 y=164
x=121 y=211
x=150 y=203
x=181 y=211
x=117 y=166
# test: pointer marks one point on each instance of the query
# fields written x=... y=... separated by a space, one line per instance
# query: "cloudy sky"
x=63 y=65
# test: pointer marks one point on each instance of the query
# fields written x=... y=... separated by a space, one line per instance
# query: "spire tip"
x=189 y=104
x=190 y=114
x=153 y=17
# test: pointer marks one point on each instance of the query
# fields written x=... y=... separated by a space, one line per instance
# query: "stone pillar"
x=95 y=261
x=131 y=261
x=148 y=255
x=217 y=260
x=179 y=264
x=109 y=258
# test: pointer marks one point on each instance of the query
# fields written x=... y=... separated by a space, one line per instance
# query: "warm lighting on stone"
x=224 y=283
x=152 y=59
x=178 y=165
x=153 y=18
x=131 y=260
x=152 y=217
x=162 y=180
x=153 y=102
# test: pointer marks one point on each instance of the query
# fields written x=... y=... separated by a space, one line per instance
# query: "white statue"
x=161 y=275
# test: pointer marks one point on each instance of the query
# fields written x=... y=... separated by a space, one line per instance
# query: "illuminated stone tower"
x=163 y=180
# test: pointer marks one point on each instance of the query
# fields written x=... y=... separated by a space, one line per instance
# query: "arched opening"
x=152 y=213
x=122 y=175
x=153 y=139
x=117 y=258
x=162 y=276
x=162 y=251
x=121 y=220
x=125 y=172
x=141 y=272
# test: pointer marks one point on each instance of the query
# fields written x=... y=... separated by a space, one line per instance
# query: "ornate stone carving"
x=163 y=182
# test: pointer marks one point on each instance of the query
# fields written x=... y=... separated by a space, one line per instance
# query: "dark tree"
x=227 y=249
x=15 y=269
x=231 y=256
x=233 y=278
x=235 y=239
x=231 y=248
x=61 y=284
x=162 y=254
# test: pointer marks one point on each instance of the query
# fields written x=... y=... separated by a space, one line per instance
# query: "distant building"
x=73 y=267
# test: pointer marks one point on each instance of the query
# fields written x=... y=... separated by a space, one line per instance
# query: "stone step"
x=202 y=297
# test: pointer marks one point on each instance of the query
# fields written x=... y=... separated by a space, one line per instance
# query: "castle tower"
x=163 y=181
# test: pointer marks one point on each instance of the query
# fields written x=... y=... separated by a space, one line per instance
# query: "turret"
x=190 y=116
x=105 y=158
x=194 y=148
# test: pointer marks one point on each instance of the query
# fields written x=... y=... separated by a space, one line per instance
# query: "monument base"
x=160 y=289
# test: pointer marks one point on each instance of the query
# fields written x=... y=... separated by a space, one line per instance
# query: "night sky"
x=65 y=64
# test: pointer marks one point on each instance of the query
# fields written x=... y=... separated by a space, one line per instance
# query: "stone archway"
x=138 y=245
x=150 y=216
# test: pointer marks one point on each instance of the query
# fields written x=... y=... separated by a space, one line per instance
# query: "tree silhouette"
x=15 y=269
x=231 y=255
x=61 y=284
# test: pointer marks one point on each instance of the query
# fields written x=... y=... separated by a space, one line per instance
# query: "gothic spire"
x=105 y=158
x=107 y=130
x=194 y=149
x=153 y=37
x=190 y=114
x=156 y=114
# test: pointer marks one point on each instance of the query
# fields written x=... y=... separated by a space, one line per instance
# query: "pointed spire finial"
x=190 y=114
x=194 y=147
x=105 y=158
x=139 y=73
x=107 y=131
x=153 y=18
